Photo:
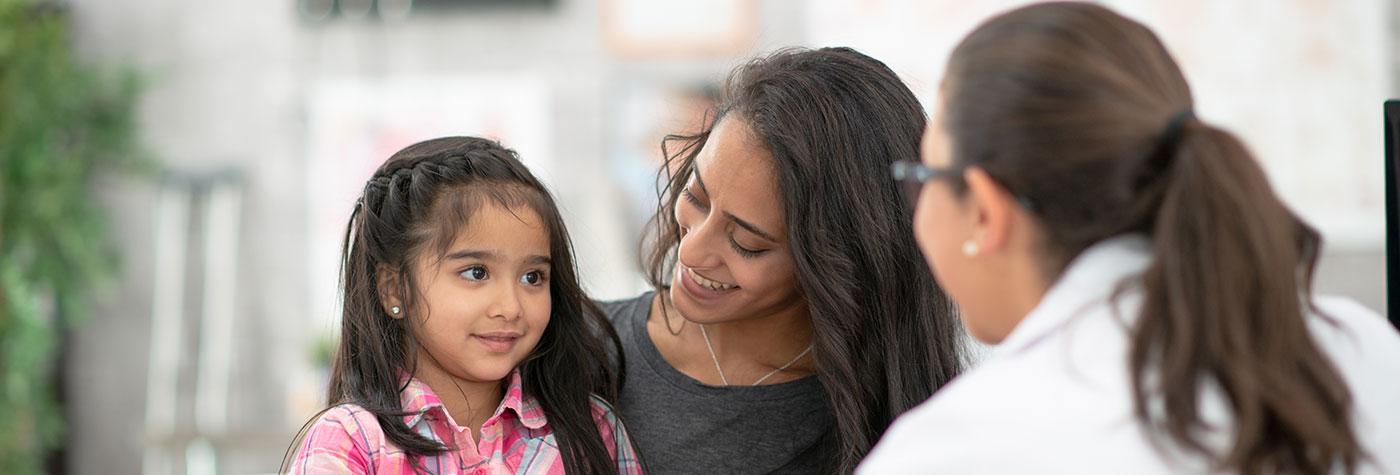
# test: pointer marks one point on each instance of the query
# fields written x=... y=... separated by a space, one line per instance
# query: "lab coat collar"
x=1091 y=278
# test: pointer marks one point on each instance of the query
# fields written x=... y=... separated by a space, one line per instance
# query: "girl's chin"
x=487 y=373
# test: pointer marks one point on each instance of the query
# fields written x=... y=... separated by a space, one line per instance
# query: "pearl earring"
x=970 y=248
x=394 y=310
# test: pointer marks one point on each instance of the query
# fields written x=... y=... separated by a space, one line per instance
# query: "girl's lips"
x=498 y=342
x=699 y=292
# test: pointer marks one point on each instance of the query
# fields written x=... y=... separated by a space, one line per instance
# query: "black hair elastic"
x=1174 y=126
x=1162 y=156
x=1166 y=145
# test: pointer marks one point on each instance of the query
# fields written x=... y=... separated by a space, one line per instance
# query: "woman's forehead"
x=738 y=175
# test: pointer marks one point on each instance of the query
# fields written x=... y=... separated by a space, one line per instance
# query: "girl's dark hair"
x=1083 y=113
x=834 y=120
x=416 y=203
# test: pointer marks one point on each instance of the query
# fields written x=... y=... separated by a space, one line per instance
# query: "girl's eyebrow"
x=492 y=255
x=475 y=254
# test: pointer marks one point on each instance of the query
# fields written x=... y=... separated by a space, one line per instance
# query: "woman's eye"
x=475 y=273
x=744 y=251
x=532 y=278
x=690 y=197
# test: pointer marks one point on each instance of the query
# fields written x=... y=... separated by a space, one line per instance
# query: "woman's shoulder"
x=627 y=309
x=1350 y=313
x=1365 y=349
x=1067 y=422
x=1348 y=330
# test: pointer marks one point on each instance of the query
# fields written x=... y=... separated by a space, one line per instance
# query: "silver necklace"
x=770 y=374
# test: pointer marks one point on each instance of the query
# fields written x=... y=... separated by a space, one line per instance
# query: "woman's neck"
x=746 y=349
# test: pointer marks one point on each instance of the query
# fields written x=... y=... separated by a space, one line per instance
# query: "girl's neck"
x=470 y=403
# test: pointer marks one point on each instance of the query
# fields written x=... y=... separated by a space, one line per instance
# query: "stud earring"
x=394 y=310
x=970 y=248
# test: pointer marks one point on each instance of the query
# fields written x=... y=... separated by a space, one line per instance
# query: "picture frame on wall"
x=678 y=28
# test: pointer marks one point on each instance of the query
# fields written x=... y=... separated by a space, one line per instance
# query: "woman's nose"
x=698 y=245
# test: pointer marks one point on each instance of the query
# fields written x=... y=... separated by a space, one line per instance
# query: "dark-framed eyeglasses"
x=913 y=175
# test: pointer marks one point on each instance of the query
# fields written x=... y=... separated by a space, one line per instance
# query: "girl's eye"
x=744 y=251
x=475 y=273
x=533 y=277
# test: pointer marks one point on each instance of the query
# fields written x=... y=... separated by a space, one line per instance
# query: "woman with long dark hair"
x=792 y=319
x=1150 y=295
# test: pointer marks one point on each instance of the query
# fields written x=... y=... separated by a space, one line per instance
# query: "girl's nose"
x=506 y=301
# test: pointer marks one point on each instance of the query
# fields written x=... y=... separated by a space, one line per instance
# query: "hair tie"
x=1174 y=127
x=1165 y=150
x=1164 y=153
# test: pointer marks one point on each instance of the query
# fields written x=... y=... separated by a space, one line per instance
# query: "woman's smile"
x=702 y=288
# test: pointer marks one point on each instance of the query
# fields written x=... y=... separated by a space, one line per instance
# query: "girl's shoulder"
x=602 y=409
x=342 y=439
x=614 y=435
x=349 y=416
x=346 y=426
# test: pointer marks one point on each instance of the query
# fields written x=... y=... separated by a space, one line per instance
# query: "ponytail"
x=1226 y=301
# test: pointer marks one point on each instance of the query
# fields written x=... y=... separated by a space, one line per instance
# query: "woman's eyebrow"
x=737 y=220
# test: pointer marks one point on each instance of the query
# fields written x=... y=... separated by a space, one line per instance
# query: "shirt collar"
x=1091 y=278
x=417 y=400
x=526 y=407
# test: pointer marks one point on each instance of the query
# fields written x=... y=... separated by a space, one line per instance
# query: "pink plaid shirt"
x=515 y=440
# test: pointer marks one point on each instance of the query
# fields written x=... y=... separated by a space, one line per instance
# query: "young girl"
x=467 y=345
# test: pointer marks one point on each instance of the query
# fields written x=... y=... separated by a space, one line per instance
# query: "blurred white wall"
x=232 y=86
x=1301 y=82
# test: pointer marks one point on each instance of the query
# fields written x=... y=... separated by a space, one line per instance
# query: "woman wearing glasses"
x=1149 y=294
x=792 y=318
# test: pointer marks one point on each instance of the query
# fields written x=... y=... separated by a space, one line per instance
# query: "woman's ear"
x=994 y=207
x=387 y=281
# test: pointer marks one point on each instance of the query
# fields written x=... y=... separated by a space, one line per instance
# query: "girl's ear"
x=387 y=281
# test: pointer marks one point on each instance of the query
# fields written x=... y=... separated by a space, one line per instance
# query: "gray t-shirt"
x=680 y=425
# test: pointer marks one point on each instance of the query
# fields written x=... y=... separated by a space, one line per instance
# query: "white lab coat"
x=1055 y=395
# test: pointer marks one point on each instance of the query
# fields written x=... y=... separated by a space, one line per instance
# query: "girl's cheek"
x=541 y=310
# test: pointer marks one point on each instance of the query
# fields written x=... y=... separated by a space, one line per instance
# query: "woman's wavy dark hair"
x=1084 y=113
x=885 y=335
x=416 y=203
